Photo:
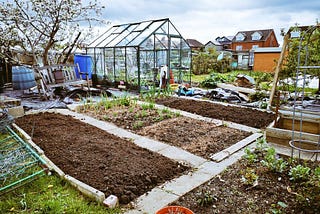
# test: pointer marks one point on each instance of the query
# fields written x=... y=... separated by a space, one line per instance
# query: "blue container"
x=22 y=78
x=85 y=64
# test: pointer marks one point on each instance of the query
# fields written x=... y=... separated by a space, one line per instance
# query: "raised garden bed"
x=106 y=162
x=261 y=182
x=245 y=116
x=198 y=137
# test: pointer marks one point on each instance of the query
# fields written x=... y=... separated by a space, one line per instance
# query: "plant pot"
x=174 y=210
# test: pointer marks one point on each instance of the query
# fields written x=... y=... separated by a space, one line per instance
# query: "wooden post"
x=279 y=65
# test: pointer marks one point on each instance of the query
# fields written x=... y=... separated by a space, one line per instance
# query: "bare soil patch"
x=106 y=162
x=198 y=137
x=246 y=116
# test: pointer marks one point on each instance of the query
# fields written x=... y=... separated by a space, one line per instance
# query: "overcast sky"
x=205 y=20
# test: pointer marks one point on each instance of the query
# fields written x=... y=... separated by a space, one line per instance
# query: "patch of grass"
x=49 y=194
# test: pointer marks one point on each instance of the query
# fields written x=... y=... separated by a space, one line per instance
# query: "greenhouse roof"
x=134 y=34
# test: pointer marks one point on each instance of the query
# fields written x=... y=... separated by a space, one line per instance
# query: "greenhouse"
x=141 y=55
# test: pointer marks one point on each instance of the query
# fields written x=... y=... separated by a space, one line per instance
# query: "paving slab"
x=182 y=156
x=153 y=201
x=150 y=144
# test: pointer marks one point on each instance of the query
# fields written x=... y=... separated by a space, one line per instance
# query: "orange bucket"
x=174 y=210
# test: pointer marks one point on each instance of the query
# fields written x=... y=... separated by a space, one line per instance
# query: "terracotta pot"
x=174 y=210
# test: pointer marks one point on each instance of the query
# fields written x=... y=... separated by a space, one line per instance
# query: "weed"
x=273 y=162
x=136 y=116
x=250 y=156
x=249 y=177
x=165 y=111
x=261 y=145
x=144 y=113
x=137 y=125
x=206 y=198
x=299 y=172
x=278 y=208
x=146 y=106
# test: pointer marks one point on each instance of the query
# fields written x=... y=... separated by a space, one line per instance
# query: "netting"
x=19 y=163
x=5 y=119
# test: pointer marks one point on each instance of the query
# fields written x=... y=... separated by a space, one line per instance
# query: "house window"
x=239 y=48
x=255 y=47
x=256 y=36
x=240 y=37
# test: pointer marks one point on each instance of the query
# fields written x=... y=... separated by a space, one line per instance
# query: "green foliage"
x=309 y=39
x=203 y=62
x=249 y=177
x=250 y=156
x=257 y=96
x=278 y=208
x=137 y=125
x=206 y=198
x=272 y=162
x=155 y=93
x=146 y=106
x=213 y=79
x=299 y=172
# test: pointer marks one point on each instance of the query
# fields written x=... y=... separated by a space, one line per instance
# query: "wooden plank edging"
x=235 y=147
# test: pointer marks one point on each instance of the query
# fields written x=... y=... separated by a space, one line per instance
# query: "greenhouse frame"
x=135 y=54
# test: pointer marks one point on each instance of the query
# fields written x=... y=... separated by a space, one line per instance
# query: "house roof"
x=216 y=43
x=247 y=35
x=193 y=43
x=224 y=39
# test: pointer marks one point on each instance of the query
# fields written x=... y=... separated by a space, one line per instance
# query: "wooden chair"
x=60 y=75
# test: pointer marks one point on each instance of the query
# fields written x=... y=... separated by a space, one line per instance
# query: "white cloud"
x=204 y=20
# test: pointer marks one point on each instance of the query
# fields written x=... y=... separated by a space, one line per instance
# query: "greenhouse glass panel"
x=148 y=44
x=142 y=26
x=121 y=28
x=110 y=38
x=161 y=42
x=120 y=64
x=128 y=39
x=122 y=36
x=173 y=31
x=103 y=37
x=146 y=33
x=132 y=67
x=108 y=66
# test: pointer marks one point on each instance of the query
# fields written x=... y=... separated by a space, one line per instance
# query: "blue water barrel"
x=85 y=64
x=22 y=78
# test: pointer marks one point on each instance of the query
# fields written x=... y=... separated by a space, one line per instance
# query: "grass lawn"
x=49 y=194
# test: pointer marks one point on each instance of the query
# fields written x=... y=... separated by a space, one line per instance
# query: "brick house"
x=245 y=42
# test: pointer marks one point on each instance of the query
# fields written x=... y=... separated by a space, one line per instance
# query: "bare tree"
x=41 y=26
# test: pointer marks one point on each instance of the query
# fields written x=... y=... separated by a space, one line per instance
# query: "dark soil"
x=274 y=192
x=246 y=116
x=106 y=162
x=198 y=137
